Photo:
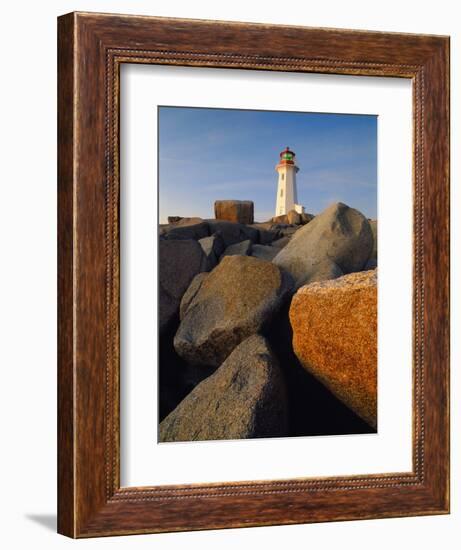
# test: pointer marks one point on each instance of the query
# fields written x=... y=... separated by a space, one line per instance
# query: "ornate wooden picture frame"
x=92 y=48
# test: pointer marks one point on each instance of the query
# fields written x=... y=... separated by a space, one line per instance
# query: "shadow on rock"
x=176 y=378
x=313 y=409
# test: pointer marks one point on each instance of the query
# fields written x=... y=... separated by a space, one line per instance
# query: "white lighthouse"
x=287 y=195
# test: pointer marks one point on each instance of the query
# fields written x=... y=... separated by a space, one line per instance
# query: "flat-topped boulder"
x=234 y=211
x=339 y=234
x=334 y=326
x=238 y=298
x=245 y=398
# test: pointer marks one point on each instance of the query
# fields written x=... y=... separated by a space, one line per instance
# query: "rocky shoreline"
x=267 y=329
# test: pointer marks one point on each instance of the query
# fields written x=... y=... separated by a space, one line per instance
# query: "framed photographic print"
x=230 y=353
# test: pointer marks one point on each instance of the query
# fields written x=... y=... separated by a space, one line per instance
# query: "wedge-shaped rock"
x=281 y=243
x=238 y=249
x=212 y=247
x=237 y=299
x=191 y=292
x=339 y=234
x=335 y=338
x=264 y=252
x=245 y=398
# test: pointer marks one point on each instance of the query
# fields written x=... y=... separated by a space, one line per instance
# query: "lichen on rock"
x=335 y=338
x=237 y=299
x=245 y=398
x=339 y=234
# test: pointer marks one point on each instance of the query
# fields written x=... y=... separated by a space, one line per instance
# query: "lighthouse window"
x=283 y=176
x=281 y=192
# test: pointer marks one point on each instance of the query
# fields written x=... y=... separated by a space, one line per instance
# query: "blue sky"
x=210 y=154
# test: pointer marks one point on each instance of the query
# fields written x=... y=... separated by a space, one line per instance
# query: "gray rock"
x=267 y=237
x=289 y=230
x=294 y=218
x=185 y=222
x=212 y=247
x=374 y=253
x=239 y=297
x=168 y=309
x=186 y=228
x=176 y=379
x=179 y=262
x=233 y=232
x=174 y=219
x=371 y=264
x=234 y=211
x=340 y=234
x=323 y=271
x=267 y=253
x=306 y=218
x=163 y=229
x=266 y=232
x=245 y=398
x=190 y=293
x=238 y=249
x=281 y=243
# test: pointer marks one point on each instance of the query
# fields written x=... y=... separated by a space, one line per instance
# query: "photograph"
x=267 y=274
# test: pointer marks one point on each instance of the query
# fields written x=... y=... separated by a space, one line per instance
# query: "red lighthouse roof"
x=287 y=152
x=287 y=156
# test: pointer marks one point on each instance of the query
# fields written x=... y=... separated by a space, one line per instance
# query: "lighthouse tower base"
x=299 y=208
